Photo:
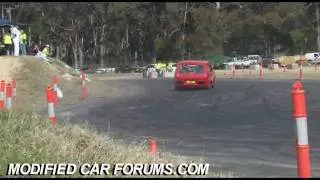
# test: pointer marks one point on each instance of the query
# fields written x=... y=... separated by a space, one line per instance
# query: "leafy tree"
x=110 y=33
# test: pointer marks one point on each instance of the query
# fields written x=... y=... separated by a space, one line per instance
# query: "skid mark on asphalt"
x=204 y=105
x=191 y=98
x=172 y=96
x=137 y=107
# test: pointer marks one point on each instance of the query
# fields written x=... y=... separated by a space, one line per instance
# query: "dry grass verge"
x=33 y=76
x=29 y=138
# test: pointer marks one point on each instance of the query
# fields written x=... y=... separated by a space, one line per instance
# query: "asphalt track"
x=243 y=126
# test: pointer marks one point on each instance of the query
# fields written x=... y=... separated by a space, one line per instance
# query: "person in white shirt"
x=16 y=39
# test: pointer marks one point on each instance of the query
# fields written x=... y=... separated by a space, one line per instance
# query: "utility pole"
x=183 y=31
x=6 y=8
x=318 y=26
x=9 y=13
x=2 y=16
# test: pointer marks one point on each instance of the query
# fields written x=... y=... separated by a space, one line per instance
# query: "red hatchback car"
x=194 y=74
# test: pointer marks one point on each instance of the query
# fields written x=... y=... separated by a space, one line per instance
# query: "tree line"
x=109 y=33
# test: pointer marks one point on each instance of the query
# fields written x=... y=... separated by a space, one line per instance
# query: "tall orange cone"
x=2 y=94
x=299 y=113
x=50 y=101
x=84 y=93
x=153 y=147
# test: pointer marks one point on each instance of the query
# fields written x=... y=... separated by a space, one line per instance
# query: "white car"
x=101 y=70
x=239 y=63
x=174 y=67
x=254 y=59
x=312 y=58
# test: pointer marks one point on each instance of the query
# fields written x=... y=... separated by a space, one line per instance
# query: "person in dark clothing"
x=34 y=49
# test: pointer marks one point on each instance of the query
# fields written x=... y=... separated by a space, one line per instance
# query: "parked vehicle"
x=239 y=62
x=124 y=69
x=266 y=61
x=137 y=69
x=254 y=59
x=311 y=56
x=101 y=70
x=194 y=74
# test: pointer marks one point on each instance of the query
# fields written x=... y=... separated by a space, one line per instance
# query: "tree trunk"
x=141 y=49
x=107 y=54
x=102 y=46
x=95 y=40
x=135 y=57
x=75 y=52
x=75 y=56
x=80 y=51
x=51 y=49
x=266 y=48
x=63 y=52
x=270 y=49
x=102 y=56
x=58 y=52
x=318 y=25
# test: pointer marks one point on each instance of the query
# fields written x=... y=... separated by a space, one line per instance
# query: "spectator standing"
x=7 y=41
x=23 y=42
x=16 y=39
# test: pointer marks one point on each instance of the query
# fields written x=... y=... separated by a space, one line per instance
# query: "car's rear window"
x=191 y=68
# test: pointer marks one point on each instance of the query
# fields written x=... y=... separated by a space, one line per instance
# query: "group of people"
x=14 y=42
x=162 y=67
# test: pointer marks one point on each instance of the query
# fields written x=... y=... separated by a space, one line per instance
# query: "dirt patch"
x=67 y=77
x=9 y=66
x=113 y=76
